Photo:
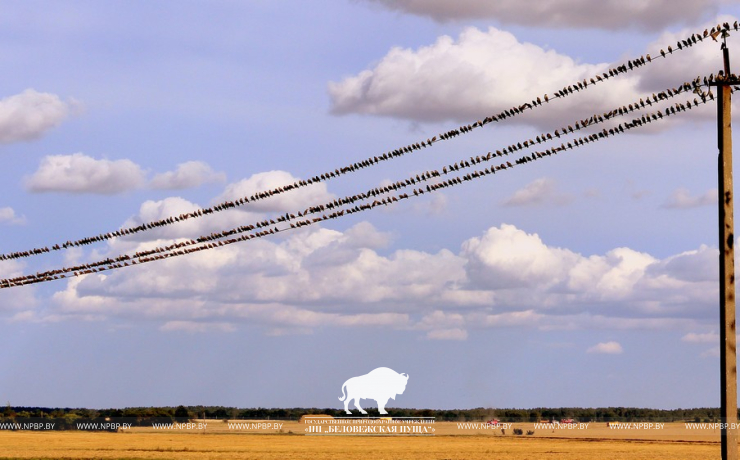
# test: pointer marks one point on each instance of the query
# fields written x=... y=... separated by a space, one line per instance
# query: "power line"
x=628 y=66
x=425 y=176
x=216 y=240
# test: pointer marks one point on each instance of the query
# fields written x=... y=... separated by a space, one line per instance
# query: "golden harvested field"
x=217 y=442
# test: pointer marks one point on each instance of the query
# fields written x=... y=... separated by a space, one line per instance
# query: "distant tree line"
x=67 y=418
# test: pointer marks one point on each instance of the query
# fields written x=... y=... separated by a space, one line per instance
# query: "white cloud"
x=481 y=73
x=604 y=14
x=306 y=279
x=292 y=201
x=151 y=211
x=507 y=258
x=187 y=175
x=8 y=216
x=609 y=348
x=540 y=192
x=521 y=273
x=78 y=173
x=365 y=235
x=30 y=114
x=318 y=277
x=708 y=337
x=698 y=265
x=682 y=199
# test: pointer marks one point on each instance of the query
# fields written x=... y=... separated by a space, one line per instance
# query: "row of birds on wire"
x=514 y=111
x=380 y=196
x=579 y=124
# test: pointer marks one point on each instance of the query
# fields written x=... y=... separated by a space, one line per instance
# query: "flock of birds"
x=565 y=91
x=269 y=226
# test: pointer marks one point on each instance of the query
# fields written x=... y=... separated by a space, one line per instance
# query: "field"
x=450 y=441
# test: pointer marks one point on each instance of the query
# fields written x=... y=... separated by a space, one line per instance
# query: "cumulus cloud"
x=608 y=348
x=507 y=258
x=154 y=210
x=317 y=277
x=310 y=279
x=363 y=234
x=699 y=265
x=30 y=114
x=481 y=73
x=187 y=175
x=521 y=272
x=682 y=199
x=8 y=216
x=605 y=14
x=79 y=173
x=294 y=200
x=540 y=192
x=484 y=72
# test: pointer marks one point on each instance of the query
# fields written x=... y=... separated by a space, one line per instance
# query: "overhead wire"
x=216 y=240
x=627 y=66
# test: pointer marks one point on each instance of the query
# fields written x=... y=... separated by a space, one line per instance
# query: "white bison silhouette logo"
x=380 y=384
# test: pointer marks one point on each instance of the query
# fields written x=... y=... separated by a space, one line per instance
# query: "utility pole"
x=727 y=337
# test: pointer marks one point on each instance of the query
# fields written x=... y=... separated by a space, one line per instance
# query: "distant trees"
x=145 y=416
x=182 y=414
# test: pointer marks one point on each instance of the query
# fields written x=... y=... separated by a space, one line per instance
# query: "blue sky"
x=583 y=279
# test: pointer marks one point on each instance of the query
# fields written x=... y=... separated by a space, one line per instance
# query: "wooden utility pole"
x=727 y=352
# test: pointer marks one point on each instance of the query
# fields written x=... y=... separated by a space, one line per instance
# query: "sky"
x=587 y=278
